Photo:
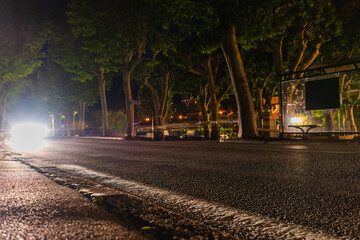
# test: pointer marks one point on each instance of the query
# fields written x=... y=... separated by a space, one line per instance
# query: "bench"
x=305 y=128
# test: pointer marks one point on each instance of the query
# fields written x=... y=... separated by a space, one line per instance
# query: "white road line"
x=234 y=220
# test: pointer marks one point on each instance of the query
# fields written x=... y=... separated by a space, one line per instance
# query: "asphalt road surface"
x=277 y=191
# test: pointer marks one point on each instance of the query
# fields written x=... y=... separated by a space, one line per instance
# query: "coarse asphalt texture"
x=47 y=203
x=34 y=207
x=284 y=190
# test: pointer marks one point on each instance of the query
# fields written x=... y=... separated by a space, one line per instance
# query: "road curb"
x=153 y=220
x=292 y=142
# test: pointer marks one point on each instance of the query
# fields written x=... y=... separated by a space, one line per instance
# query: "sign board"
x=322 y=94
x=274 y=100
x=275 y=111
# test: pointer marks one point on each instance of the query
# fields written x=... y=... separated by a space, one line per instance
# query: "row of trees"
x=203 y=49
x=22 y=38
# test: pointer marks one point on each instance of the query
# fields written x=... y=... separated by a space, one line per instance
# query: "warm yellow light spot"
x=147 y=119
x=180 y=117
x=221 y=112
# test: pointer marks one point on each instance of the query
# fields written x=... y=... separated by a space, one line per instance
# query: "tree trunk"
x=278 y=56
x=311 y=58
x=215 y=130
x=78 y=122
x=82 y=118
x=156 y=101
x=329 y=120
x=161 y=108
x=52 y=117
x=241 y=86
x=236 y=94
x=68 y=124
x=159 y=121
x=351 y=118
x=260 y=103
x=3 y=115
x=215 y=126
x=205 y=122
x=129 y=106
x=57 y=125
x=159 y=129
x=61 y=127
x=206 y=125
x=214 y=103
x=204 y=103
x=279 y=64
x=73 y=124
x=104 y=110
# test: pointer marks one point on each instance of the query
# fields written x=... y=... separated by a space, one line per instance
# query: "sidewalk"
x=274 y=141
x=34 y=207
x=296 y=141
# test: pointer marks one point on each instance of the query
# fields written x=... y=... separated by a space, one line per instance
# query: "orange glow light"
x=274 y=109
x=180 y=116
x=230 y=113
x=147 y=119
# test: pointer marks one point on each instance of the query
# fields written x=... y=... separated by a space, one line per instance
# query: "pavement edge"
x=153 y=220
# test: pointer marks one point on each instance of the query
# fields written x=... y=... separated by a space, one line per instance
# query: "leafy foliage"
x=20 y=47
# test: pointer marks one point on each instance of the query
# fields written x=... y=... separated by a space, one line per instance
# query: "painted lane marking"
x=233 y=220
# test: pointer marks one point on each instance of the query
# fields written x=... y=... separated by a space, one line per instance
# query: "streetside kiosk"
x=322 y=100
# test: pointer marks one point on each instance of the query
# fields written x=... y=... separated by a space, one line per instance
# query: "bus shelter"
x=322 y=100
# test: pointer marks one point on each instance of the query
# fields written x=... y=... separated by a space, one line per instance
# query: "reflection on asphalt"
x=297 y=147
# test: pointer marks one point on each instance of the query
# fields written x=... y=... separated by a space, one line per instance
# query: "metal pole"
x=281 y=115
x=152 y=127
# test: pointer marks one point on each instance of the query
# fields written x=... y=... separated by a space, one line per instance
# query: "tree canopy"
x=230 y=46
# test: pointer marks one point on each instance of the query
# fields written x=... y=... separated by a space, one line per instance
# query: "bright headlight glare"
x=28 y=137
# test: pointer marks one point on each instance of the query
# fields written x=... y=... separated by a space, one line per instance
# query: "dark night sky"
x=349 y=14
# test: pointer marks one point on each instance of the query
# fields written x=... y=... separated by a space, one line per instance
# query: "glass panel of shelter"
x=345 y=118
